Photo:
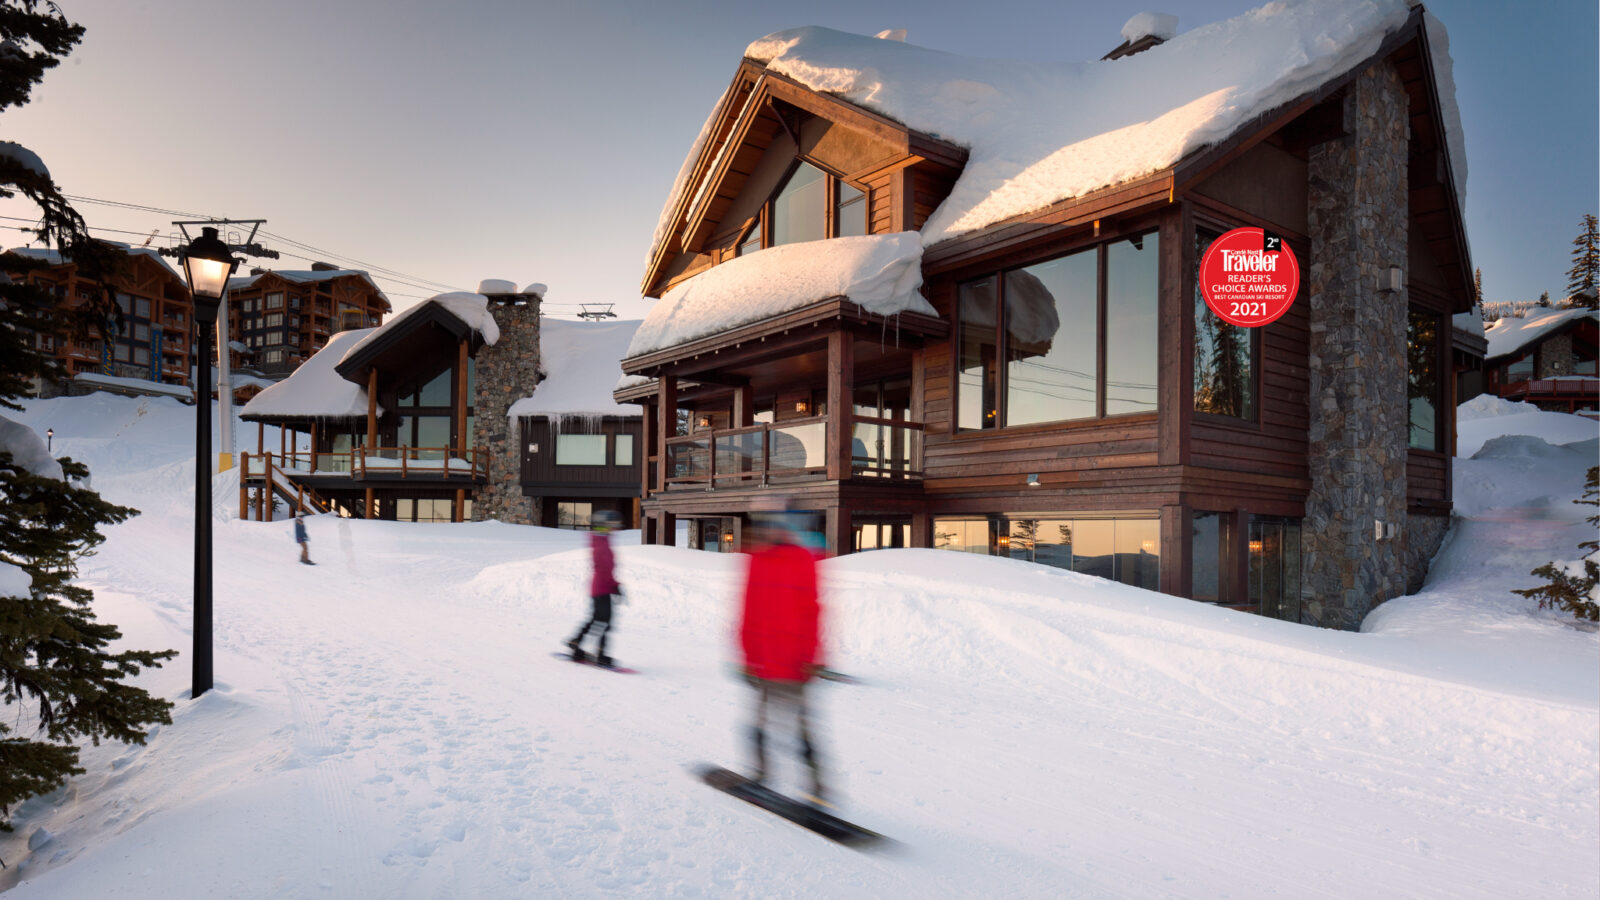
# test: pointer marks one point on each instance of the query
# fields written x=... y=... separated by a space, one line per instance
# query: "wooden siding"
x=540 y=468
x=1427 y=481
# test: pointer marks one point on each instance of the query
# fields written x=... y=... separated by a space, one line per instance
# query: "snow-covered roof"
x=580 y=361
x=880 y=273
x=315 y=390
x=1470 y=322
x=1041 y=132
x=1507 y=336
x=471 y=309
x=302 y=276
x=1150 y=24
x=141 y=385
x=54 y=257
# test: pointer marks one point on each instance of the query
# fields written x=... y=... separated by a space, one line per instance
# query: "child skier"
x=603 y=588
x=301 y=538
x=780 y=636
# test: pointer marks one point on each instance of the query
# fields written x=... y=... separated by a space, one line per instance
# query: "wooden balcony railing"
x=367 y=462
x=795 y=450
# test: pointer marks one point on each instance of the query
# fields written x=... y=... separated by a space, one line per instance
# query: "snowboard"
x=803 y=814
x=623 y=670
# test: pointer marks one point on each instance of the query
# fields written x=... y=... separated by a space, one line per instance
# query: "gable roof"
x=314 y=390
x=1039 y=133
x=149 y=255
x=459 y=313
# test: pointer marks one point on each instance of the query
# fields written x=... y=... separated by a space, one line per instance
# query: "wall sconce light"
x=1005 y=541
x=1255 y=546
x=1033 y=480
x=1392 y=281
x=727 y=537
x=801 y=406
x=704 y=421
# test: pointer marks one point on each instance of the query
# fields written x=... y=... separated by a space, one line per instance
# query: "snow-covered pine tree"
x=58 y=681
x=1571 y=586
x=1583 y=279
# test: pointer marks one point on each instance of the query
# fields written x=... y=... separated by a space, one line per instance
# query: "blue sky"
x=538 y=141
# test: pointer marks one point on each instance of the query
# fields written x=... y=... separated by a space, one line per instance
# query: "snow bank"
x=580 y=363
x=1041 y=132
x=316 y=389
x=1508 y=335
x=472 y=309
x=28 y=450
x=880 y=273
x=1486 y=416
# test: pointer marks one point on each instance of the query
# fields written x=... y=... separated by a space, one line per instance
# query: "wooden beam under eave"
x=841 y=406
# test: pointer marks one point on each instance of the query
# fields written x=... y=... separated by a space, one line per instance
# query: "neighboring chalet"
x=951 y=303
x=146 y=342
x=1546 y=358
x=281 y=318
x=410 y=421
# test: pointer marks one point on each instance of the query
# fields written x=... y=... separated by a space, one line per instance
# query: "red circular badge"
x=1249 y=277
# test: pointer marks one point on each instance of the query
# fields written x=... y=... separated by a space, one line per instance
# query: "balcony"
x=791 y=451
x=362 y=463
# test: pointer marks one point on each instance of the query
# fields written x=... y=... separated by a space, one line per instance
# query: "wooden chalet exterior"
x=1135 y=436
x=1549 y=365
x=409 y=455
x=283 y=317
x=419 y=421
x=148 y=341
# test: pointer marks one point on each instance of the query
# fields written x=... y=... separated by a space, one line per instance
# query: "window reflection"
x=1050 y=368
x=1224 y=354
x=1132 y=280
x=798 y=210
x=1422 y=382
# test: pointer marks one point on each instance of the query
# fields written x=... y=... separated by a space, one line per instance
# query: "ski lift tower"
x=594 y=312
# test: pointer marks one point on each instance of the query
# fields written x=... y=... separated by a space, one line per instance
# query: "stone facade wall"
x=1423 y=536
x=1555 y=356
x=1358 y=215
x=506 y=372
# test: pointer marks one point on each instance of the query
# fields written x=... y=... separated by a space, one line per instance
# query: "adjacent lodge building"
x=950 y=303
x=1546 y=358
x=465 y=407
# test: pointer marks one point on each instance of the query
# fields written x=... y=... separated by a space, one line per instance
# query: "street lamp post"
x=50 y=441
x=207 y=263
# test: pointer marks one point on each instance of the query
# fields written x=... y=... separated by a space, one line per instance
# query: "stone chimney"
x=505 y=373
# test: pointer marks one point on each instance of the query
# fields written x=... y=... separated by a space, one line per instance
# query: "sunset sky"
x=451 y=142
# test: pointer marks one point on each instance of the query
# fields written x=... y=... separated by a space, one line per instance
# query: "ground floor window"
x=881 y=534
x=574 y=515
x=1272 y=563
x=1125 y=549
x=1275 y=567
x=429 y=509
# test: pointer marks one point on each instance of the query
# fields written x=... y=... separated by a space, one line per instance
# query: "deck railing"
x=366 y=462
x=796 y=450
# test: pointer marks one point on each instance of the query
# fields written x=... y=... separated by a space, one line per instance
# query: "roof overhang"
x=400 y=342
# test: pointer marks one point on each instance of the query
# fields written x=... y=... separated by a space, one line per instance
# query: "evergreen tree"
x=1584 y=276
x=1477 y=287
x=1571 y=586
x=58 y=681
x=1544 y=300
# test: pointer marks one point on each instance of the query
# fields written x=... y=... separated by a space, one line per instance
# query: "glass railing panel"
x=739 y=455
x=690 y=460
x=796 y=448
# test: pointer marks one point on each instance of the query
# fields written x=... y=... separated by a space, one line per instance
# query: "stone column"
x=1358 y=216
x=506 y=372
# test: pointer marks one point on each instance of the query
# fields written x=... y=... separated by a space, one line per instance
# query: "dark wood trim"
x=372 y=416
x=841 y=403
x=666 y=426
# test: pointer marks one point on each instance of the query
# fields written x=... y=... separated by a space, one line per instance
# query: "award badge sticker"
x=1249 y=277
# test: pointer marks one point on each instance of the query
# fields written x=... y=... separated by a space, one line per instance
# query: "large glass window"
x=976 y=376
x=580 y=449
x=624 y=450
x=1275 y=567
x=850 y=213
x=752 y=241
x=1521 y=369
x=1422 y=381
x=1051 y=340
x=1126 y=549
x=798 y=212
x=964 y=535
x=1207 y=550
x=1224 y=354
x=1133 y=280
x=1056 y=315
x=574 y=515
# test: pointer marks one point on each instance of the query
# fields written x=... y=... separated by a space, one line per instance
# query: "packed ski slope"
x=390 y=723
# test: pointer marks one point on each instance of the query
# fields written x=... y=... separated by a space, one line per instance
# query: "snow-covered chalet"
x=951 y=302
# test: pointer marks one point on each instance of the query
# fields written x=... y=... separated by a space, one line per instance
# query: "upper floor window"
x=1422 y=378
x=1521 y=369
x=799 y=211
x=272 y=301
x=1030 y=338
x=810 y=205
x=1225 y=355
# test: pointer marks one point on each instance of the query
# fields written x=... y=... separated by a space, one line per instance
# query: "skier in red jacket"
x=780 y=634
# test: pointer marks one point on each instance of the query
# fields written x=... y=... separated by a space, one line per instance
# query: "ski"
x=803 y=814
x=621 y=670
